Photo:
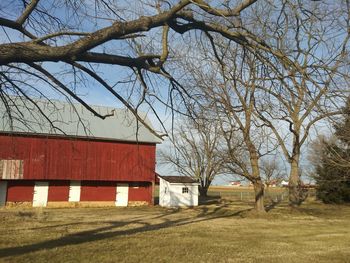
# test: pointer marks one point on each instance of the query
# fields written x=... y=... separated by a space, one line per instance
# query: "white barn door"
x=122 y=196
x=74 y=191
x=41 y=191
x=3 y=192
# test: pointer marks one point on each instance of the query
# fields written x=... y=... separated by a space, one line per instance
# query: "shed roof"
x=73 y=120
x=178 y=179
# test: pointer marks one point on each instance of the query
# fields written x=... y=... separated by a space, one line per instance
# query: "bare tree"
x=300 y=47
x=288 y=93
x=315 y=39
x=194 y=151
x=226 y=85
x=68 y=44
x=271 y=172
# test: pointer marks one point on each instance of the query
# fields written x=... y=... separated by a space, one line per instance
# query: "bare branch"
x=28 y=10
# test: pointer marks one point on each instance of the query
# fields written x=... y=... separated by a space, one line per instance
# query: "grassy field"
x=220 y=231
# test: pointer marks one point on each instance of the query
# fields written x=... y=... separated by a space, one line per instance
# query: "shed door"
x=122 y=195
x=3 y=192
x=41 y=191
x=74 y=191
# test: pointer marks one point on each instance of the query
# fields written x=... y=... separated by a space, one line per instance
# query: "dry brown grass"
x=243 y=188
x=219 y=232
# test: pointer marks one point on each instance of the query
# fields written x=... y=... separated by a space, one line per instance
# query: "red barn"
x=75 y=158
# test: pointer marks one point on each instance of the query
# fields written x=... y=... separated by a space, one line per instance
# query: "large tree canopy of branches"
x=138 y=36
x=196 y=152
x=131 y=50
x=83 y=35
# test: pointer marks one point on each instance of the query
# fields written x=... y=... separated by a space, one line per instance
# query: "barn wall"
x=58 y=191
x=91 y=191
x=48 y=158
x=140 y=192
x=98 y=191
x=20 y=191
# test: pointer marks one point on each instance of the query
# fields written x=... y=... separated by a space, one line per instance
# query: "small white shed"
x=177 y=191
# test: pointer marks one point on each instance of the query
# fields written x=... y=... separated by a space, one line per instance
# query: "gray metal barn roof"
x=73 y=120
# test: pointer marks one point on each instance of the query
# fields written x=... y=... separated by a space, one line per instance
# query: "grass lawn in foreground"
x=223 y=231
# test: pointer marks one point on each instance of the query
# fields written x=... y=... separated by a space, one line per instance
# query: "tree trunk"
x=266 y=190
x=257 y=182
x=203 y=191
x=294 y=194
x=259 y=196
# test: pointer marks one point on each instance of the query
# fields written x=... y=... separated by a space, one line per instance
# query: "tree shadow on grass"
x=209 y=200
x=272 y=205
x=113 y=229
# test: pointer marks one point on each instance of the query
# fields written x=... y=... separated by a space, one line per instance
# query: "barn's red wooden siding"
x=20 y=191
x=58 y=191
x=48 y=158
x=97 y=191
x=23 y=191
x=140 y=192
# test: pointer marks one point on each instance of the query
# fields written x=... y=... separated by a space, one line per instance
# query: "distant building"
x=84 y=160
x=272 y=183
x=235 y=183
x=175 y=191
x=284 y=183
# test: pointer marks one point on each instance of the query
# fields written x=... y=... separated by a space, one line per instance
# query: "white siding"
x=164 y=193
x=170 y=195
x=184 y=199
